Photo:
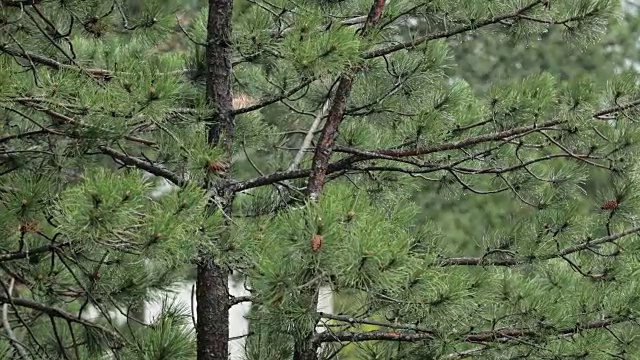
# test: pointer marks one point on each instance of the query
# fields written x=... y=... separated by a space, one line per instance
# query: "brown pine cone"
x=610 y=205
x=316 y=243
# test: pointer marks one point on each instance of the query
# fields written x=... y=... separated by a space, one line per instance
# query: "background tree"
x=79 y=235
x=482 y=59
x=87 y=84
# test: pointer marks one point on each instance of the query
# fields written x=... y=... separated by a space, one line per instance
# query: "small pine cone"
x=316 y=243
x=217 y=167
x=609 y=205
x=29 y=227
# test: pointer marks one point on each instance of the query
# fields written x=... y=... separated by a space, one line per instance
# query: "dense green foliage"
x=96 y=113
x=482 y=60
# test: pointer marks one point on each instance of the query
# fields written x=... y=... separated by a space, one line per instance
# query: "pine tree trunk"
x=212 y=288
x=306 y=349
x=212 y=327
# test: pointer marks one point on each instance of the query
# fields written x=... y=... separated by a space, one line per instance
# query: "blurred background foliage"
x=484 y=61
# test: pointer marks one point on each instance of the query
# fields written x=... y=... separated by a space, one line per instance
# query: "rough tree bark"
x=212 y=294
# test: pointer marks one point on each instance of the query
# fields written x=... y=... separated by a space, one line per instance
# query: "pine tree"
x=306 y=180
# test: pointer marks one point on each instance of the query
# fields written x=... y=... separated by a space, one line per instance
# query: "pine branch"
x=430 y=149
x=424 y=168
x=589 y=243
x=235 y=300
x=274 y=99
x=445 y=34
x=267 y=180
x=484 y=261
x=31 y=252
x=54 y=64
x=55 y=312
x=352 y=320
x=466 y=353
x=507 y=335
x=615 y=109
x=64 y=119
x=355 y=336
x=454 y=170
x=28 y=134
x=363 y=155
x=143 y=165
x=100 y=74
x=501 y=335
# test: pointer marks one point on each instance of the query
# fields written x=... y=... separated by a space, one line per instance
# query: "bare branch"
x=7 y=326
x=430 y=149
x=240 y=299
x=273 y=99
x=143 y=165
x=55 y=312
x=309 y=136
x=354 y=336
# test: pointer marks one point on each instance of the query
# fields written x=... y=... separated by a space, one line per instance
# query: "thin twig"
x=7 y=327
x=309 y=137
